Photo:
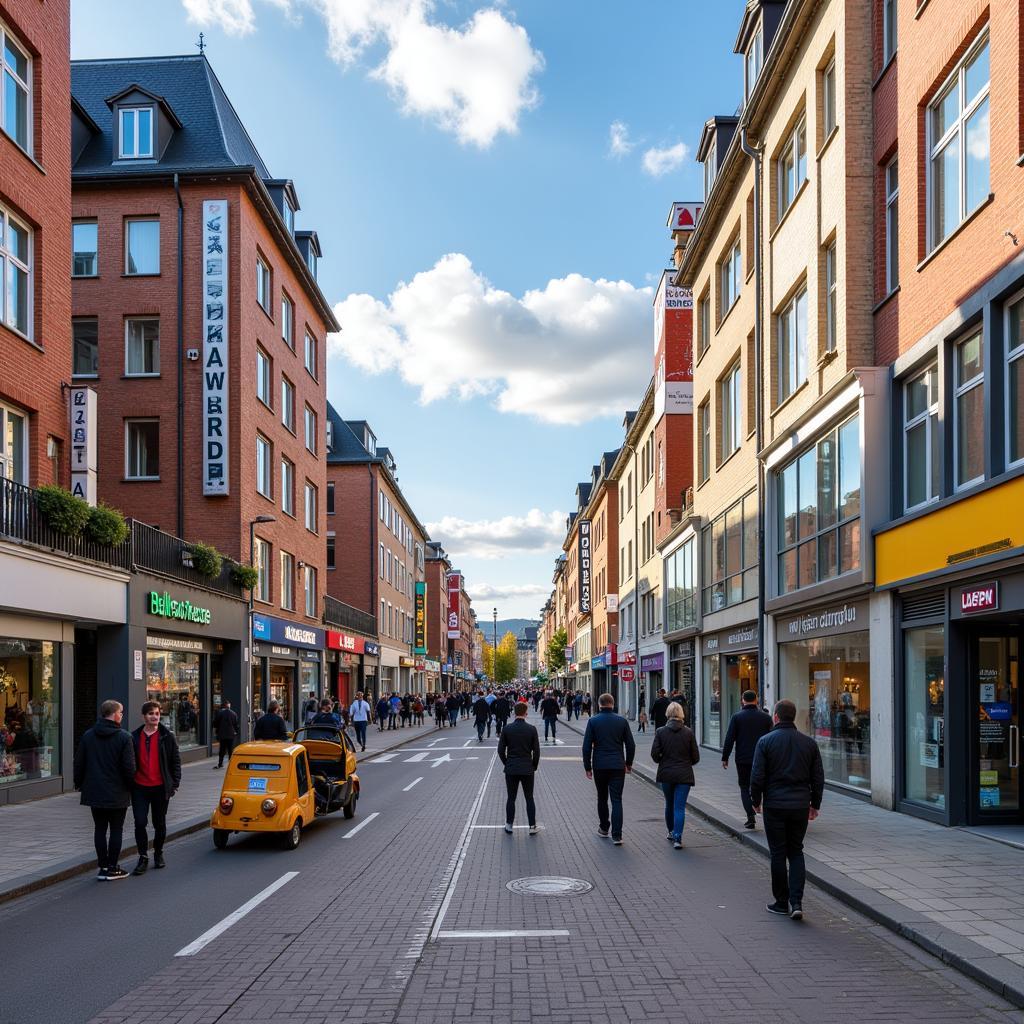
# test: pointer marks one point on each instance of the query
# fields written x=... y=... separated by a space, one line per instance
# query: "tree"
x=556 y=649
x=507 y=665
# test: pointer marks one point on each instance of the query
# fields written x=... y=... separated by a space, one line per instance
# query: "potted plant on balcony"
x=245 y=576
x=61 y=510
x=107 y=525
x=206 y=559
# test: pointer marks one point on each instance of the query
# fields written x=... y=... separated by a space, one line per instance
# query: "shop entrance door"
x=995 y=693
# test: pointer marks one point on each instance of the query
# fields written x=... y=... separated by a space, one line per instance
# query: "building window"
x=287 y=581
x=729 y=545
x=311 y=596
x=142 y=449
x=958 y=137
x=828 y=99
x=969 y=411
x=311 y=261
x=17 y=74
x=136 y=132
x=31 y=670
x=752 y=63
x=681 y=588
x=263 y=466
x=819 y=510
x=15 y=273
x=142 y=347
x=263 y=374
x=13 y=445
x=704 y=425
x=710 y=169
x=1015 y=382
x=311 y=355
x=287 y=403
x=922 y=448
x=289 y=217
x=792 y=166
x=892 y=226
x=261 y=560
x=793 y=345
x=310 y=506
x=288 y=321
x=831 y=299
x=330 y=498
x=888 y=30
x=311 y=430
x=704 y=323
x=732 y=398
x=331 y=556
x=263 y=284
x=84 y=248
x=85 y=342
x=142 y=247
x=388 y=565
x=287 y=486
x=731 y=278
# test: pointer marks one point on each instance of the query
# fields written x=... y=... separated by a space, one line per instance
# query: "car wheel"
x=294 y=835
x=350 y=807
x=220 y=838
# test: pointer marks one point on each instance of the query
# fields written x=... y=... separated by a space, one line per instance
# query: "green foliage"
x=206 y=560
x=505 y=668
x=107 y=525
x=245 y=576
x=556 y=649
x=62 y=511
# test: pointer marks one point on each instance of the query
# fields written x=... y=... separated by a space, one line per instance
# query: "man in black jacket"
x=482 y=715
x=519 y=750
x=225 y=728
x=549 y=710
x=658 y=710
x=788 y=776
x=104 y=772
x=157 y=778
x=271 y=726
x=746 y=727
x=501 y=709
x=608 y=752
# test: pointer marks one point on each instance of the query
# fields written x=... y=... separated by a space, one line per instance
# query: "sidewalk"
x=45 y=841
x=957 y=895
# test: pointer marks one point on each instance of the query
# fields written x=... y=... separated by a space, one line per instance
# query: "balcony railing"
x=337 y=613
x=168 y=555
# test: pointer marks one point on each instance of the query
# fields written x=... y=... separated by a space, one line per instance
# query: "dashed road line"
x=366 y=821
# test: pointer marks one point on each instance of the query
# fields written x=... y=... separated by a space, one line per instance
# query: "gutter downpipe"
x=180 y=365
x=755 y=157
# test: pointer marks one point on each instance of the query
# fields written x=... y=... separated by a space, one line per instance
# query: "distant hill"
x=486 y=626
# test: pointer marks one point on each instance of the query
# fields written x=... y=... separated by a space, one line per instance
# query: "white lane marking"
x=467 y=743
x=502 y=826
x=462 y=848
x=236 y=915
x=366 y=821
x=441 y=759
x=411 y=784
x=416 y=757
x=434 y=743
x=524 y=933
x=381 y=758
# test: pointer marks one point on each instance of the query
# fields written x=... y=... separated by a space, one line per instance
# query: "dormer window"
x=289 y=217
x=311 y=262
x=752 y=62
x=710 y=169
x=136 y=133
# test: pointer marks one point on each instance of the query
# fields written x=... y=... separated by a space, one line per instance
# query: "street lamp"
x=252 y=594
x=494 y=660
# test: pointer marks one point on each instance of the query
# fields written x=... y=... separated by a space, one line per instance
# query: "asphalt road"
x=410 y=920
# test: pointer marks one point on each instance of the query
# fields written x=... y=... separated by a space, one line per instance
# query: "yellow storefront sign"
x=972 y=528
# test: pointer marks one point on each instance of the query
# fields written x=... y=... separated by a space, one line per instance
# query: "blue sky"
x=486 y=250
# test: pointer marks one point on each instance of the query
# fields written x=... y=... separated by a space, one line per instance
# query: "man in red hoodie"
x=157 y=778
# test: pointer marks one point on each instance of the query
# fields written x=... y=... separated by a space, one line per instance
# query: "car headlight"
x=226 y=804
x=269 y=807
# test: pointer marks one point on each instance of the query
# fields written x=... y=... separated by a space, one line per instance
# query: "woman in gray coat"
x=675 y=753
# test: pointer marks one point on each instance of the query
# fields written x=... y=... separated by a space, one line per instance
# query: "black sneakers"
x=797 y=912
x=158 y=860
x=101 y=875
x=777 y=908
x=604 y=833
x=751 y=824
x=140 y=868
x=116 y=872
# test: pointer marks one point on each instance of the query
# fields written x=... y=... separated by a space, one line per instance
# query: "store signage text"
x=267 y=627
x=421 y=618
x=831 y=619
x=83 y=444
x=165 y=606
x=215 y=347
x=627 y=675
x=454 y=585
x=584 y=567
x=979 y=599
x=344 y=642
x=297 y=635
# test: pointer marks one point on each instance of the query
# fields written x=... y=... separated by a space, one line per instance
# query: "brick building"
x=603 y=512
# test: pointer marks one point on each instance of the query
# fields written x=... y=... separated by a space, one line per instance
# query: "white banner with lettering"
x=215 y=347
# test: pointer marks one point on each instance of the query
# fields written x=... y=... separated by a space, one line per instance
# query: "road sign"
x=627 y=675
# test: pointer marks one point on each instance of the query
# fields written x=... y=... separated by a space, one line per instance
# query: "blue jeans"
x=453 y=717
x=360 y=728
x=552 y=724
x=676 y=795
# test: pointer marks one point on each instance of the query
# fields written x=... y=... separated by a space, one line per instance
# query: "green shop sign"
x=186 y=611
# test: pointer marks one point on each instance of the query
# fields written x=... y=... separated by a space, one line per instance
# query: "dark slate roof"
x=212 y=135
x=345 y=445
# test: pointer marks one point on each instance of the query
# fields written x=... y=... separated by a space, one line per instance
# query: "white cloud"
x=534 y=533
x=474 y=81
x=505 y=592
x=572 y=351
x=658 y=162
x=619 y=142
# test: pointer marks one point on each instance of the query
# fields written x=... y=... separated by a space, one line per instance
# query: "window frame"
x=261 y=556
x=1012 y=356
x=128 y=222
x=8 y=460
x=890 y=41
x=930 y=425
x=960 y=389
x=791 y=150
x=8 y=38
x=288 y=393
x=287 y=320
x=311 y=343
x=310 y=412
x=755 y=48
x=8 y=256
x=135 y=110
x=730 y=281
x=263 y=285
x=704 y=322
x=310 y=509
x=287 y=580
x=892 y=225
x=128 y=424
x=267 y=378
x=789 y=312
x=831 y=297
x=91 y=374
x=287 y=486
x=704 y=427
x=829 y=100
x=312 y=601
x=83 y=223
x=264 y=443
x=128 y=321
x=731 y=388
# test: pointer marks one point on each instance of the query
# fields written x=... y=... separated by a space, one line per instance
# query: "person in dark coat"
x=608 y=752
x=271 y=726
x=453 y=703
x=104 y=771
x=501 y=709
x=482 y=717
x=383 y=708
x=787 y=775
x=157 y=778
x=746 y=727
x=225 y=728
x=519 y=750
x=675 y=752
x=549 y=710
x=659 y=709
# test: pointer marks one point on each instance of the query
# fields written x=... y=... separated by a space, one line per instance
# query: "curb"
x=34 y=881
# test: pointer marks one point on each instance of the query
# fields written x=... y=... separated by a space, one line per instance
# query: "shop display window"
x=30 y=702
x=173 y=681
x=924 y=685
x=282 y=682
x=711 y=703
x=829 y=681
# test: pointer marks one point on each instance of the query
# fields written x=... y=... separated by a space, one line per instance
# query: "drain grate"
x=549 y=885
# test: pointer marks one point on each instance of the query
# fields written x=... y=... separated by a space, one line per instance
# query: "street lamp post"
x=252 y=595
x=494 y=660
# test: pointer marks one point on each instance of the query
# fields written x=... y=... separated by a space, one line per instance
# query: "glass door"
x=994 y=670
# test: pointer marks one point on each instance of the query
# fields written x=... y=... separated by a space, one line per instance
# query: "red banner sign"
x=345 y=642
x=454 y=583
x=984 y=598
x=627 y=675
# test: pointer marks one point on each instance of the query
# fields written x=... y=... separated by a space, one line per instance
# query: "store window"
x=681 y=587
x=711 y=703
x=924 y=685
x=30 y=698
x=828 y=679
x=729 y=551
x=282 y=682
x=310 y=682
x=173 y=681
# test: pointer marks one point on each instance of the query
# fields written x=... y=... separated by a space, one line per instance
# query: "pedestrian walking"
x=586 y=704
x=787 y=775
x=310 y=708
x=440 y=711
x=675 y=752
x=225 y=728
x=746 y=727
x=549 y=712
x=658 y=709
x=453 y=703
x=382 y=713
x=104 y=771
x=417 y=709
x=360 y=712
x=326 y=715
x=501 y=709
x=157 y=778
x=608 y=752
x=271 y=726
x=641 y=721
x=482 y=716
x=394 y=707
x=519 y=750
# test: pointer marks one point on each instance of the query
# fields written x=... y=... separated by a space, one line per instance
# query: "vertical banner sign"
x=454 y=583
x=215 y=347
x=584 y=567
x=83 y=444
x=421 y=618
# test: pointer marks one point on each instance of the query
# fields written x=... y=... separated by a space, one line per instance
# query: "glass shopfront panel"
x=310 y=678
x=711 y=703
x=924 y=778
x=995 y=677
x=30 y=699
x=173 y=681
x=259 y=703
x=740 y=674
x=282 y=683
x=216 y=682
x=829 y=681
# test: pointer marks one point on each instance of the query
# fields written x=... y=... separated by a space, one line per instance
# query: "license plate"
x=257 y=785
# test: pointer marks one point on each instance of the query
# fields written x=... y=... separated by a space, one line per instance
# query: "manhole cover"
x=549 y=885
